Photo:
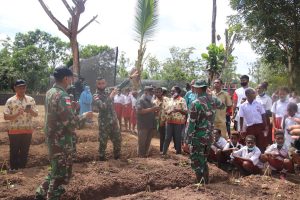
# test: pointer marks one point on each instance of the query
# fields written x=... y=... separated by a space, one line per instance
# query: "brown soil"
x=131 y=177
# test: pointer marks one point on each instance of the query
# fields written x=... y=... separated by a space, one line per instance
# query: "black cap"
x=19 y=82
x=61 y=72
x=148 y=88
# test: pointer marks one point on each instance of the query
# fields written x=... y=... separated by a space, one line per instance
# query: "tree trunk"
x=213 y=24
x=294 y=72
x=75 y=53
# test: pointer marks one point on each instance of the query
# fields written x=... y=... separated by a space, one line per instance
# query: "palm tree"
x=146 y=19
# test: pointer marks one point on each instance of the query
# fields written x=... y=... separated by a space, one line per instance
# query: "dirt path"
x=131 y=178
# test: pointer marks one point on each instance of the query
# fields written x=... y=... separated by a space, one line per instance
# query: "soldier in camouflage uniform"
x=202 y=114
x=107 y=119
x=60 y=123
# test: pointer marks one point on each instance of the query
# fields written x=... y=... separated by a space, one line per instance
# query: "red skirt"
x=276 y=124
x=127 y=110
x=118 y=108
x=133 y=117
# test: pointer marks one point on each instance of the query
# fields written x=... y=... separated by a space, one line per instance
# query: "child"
x=277 y=156
x=118 y=104
x=217 y=147
x=247 y=158
x=279 y=107
x=289 y=120
x=133 y=112
x=232 y=145
x=127 y=106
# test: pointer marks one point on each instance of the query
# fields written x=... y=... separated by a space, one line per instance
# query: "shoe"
x=102 y=158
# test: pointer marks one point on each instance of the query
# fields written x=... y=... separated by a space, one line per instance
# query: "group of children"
x=124 y=104
x=249 y=159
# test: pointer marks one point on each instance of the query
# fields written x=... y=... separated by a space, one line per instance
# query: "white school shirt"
x=240 y=93
x=127 y=99
x=252 y=112
x=133 y=101
x=265 y=101
x=230 y=145
x=273 y=149
x=279 y=108
x=119 y=99
x=219 y=144
x=253 y=155
x=289 y=121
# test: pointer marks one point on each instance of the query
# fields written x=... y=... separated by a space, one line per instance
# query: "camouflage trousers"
x=113 y=133
x=60 y=170
x=199 y=150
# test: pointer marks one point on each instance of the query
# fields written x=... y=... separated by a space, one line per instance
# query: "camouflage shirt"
x=60 y=120
x=104 y=104
x=202 y=115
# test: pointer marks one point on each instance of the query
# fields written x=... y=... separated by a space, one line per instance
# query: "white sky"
x=182 y=23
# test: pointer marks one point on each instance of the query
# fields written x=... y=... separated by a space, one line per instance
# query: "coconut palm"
x=146 y=19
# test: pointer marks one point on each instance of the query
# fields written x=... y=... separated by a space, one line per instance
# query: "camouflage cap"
x=200 y=84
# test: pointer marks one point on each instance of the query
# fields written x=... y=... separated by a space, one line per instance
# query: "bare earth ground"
x=131 y=177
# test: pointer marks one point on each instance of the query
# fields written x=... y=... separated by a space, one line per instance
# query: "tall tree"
x=181 y=66
x=273 y=28
x=146 y=19
x=71 y=31
x=213 y=23
x=92 y=50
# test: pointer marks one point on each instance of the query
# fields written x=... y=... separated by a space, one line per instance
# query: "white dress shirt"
x=119 y=99
x=252 y=112
x=265 y=101
x=253 y=155
x=279 y=108
x=289 y=121
x=220 y=144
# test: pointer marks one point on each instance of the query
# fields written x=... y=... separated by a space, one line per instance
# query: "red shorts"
x=126 y=112
x=133 y=117
x=118 y=109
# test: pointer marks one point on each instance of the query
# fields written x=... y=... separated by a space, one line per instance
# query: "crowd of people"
x=265 y=131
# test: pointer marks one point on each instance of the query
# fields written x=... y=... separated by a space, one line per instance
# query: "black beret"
x=61 y=72
x=19 y=82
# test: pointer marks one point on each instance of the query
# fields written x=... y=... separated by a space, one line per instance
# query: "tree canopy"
x=273 y=28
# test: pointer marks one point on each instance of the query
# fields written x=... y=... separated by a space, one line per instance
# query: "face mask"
x=250 y=148
x=283 y=100
x=262 y=94
x=244 y=84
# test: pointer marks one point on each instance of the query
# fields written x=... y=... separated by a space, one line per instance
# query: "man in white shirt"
x=237 y=99
x=254 y=114
x=247 y=158
x=277 y=155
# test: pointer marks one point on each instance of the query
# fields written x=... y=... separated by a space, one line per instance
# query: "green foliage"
x=146 y=19
x=214 y=60
x=123 y=66
x=32 y=56
x=92 y=50
x=181 y=66
x=272 y=27
x=153 y=68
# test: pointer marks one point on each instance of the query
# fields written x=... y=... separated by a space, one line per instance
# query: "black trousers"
x=175 y=131
x=162 y=136
x=18 y=148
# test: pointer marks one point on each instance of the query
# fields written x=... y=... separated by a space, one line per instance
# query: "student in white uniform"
x=247 y=158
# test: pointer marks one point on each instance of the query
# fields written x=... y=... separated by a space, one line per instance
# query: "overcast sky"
x=182 y=23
